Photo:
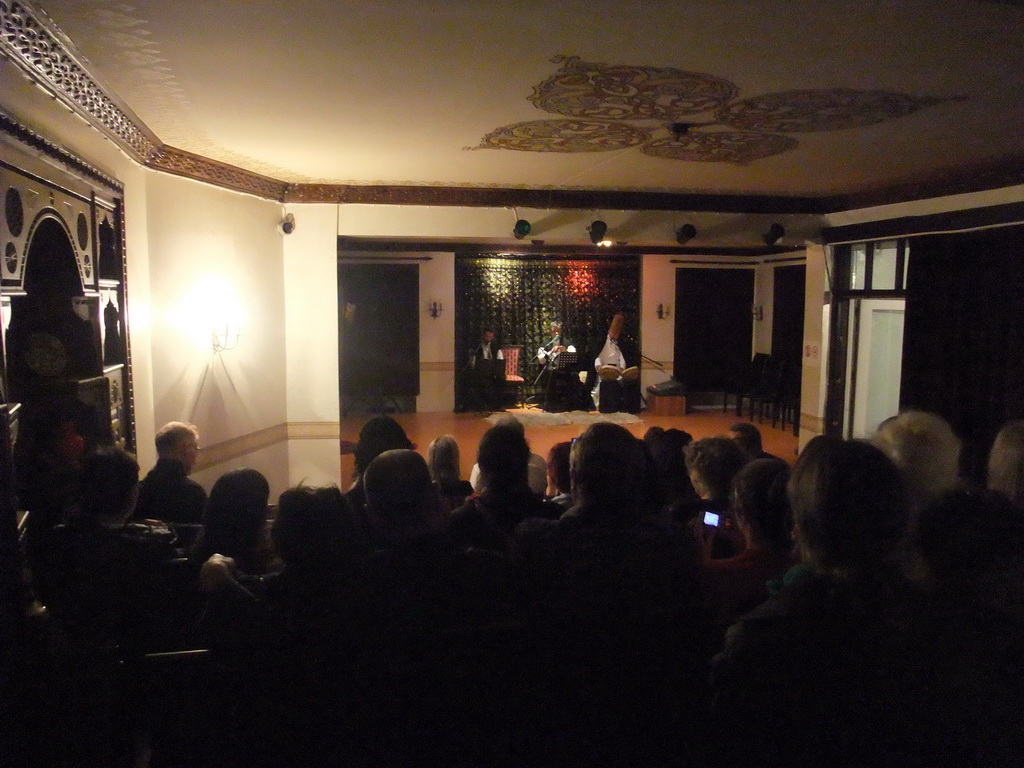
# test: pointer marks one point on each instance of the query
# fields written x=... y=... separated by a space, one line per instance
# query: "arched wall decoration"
x=49 y=196
x=714 y=128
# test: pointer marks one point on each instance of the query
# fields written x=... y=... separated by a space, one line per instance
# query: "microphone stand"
x=657 y=365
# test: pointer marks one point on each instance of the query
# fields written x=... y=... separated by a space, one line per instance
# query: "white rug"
x=543 y=418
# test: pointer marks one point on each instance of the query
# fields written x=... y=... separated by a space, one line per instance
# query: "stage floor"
x=468 y=428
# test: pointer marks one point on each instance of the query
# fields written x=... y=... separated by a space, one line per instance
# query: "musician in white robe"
x=610 y=355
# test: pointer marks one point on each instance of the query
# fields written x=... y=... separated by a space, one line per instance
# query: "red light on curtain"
x=581 y=282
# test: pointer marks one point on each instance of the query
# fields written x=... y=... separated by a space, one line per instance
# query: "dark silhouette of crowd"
x=667 y=602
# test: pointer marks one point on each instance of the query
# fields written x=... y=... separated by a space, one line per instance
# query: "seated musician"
x=617 y=386
x=557 y=344
x=486 y=372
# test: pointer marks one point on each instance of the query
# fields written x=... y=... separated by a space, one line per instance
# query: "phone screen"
x=710 y=518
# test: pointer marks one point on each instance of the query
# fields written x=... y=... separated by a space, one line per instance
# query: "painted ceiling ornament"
x=601 y=97
x=819 y=110
x=625 y=92
x=739 y=147
x=565 y=136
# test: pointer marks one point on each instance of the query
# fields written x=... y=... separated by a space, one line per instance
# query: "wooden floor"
x=468 y=428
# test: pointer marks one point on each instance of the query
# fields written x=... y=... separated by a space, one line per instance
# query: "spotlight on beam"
x=521 y=229
x=685 y=234
x=597 y=230
x=775 y=233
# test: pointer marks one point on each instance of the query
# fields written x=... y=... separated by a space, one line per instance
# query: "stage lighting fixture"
x=597 y=230
x=775 y=233
x=521 y=229
x=685 y=234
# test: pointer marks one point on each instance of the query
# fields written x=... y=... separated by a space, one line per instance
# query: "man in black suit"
x=486 y=373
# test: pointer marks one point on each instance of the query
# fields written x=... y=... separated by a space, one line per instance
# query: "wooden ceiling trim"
x=199 y=168
x=540 y=248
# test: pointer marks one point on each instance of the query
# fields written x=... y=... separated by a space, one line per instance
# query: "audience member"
x=927 y=452
x=379 y=434
x=712 y=463
x=971 y=545
x=1006 y=462
x=608 y=521
x=97 y=570
x=167 y=493
x=667 y=446
x=559 y=482
x=288 y=639
x=621 y=638
x=824 y=672
x=235 y=523
x=504 y=497
x=443 y=461
x=420 y=603
x=749 y=438
x=734 y=585
x=536 y=472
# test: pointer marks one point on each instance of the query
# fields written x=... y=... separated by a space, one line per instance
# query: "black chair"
x=787 y=408
x=768 y=389
x=748 y=376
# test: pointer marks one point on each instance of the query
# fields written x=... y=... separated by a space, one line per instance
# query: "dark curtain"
x=714 y=328
x=963 y=344
x=378 y=330
x=518 y=297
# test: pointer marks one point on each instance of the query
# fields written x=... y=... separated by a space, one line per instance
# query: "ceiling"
x=806 y=103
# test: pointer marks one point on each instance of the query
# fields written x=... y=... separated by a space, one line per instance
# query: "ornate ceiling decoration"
x=678 y=115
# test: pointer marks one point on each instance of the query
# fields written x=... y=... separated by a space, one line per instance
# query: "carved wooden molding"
x=33 y=42
x=505 y=197
x=199 y=168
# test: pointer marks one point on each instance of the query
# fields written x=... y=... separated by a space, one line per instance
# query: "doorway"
x=876 y=358
x=714 y=327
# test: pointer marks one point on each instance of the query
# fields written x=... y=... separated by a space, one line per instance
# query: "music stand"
x=560 y=366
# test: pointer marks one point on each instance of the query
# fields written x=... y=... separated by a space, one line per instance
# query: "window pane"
x=858 y=266
x=883 y=272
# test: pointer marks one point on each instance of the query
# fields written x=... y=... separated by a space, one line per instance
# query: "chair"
x=788 y=406
x=747 y=378
x=513 y=379
x=768 y=389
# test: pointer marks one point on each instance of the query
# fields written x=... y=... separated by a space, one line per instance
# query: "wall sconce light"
x=521 y=229
x=224 y=336
x=685 y=234
x=434 y=309
x=597 y=230
x=775 y=233
x=758 y=312
x=663 y=311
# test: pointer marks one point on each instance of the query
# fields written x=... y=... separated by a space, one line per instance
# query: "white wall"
x=437 y=335
x=657 y=337
x=311 y=342
x=215 y=257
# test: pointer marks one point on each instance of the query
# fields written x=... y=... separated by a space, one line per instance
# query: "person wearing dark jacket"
x=167 y=493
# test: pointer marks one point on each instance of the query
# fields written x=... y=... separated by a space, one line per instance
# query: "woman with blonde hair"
x=443 y=462
x=1006 y=462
